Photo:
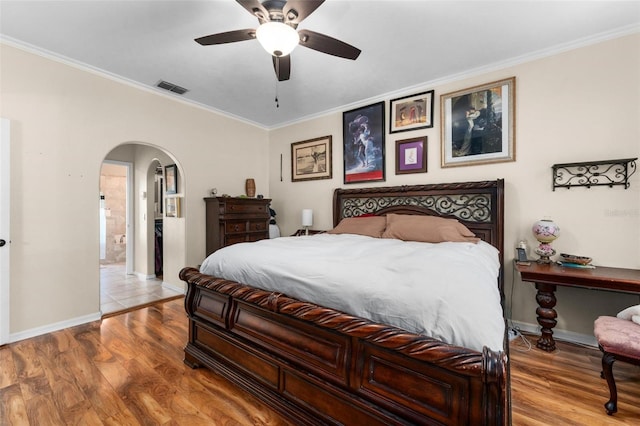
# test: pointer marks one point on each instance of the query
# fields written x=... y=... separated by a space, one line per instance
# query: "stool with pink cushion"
x=619 y=340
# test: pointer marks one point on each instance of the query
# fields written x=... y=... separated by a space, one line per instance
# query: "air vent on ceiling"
x=171 y=87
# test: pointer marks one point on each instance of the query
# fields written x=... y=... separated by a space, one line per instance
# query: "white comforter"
x=447 y=290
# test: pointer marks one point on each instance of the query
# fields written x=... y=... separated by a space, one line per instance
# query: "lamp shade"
x=307 y=217
x=545 y=230
x=277 y=38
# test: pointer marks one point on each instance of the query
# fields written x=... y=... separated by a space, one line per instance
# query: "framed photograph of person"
x=363 y=142
x=311 y=159
x=411 y=155
x=411 y=112
x=478 y=124
x=171 y=179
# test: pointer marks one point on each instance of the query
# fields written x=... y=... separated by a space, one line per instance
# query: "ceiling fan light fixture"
x=277 y=38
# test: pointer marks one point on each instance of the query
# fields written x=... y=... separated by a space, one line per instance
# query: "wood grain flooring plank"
x=65 y=391
x=8 y=374
x=182 y=405
x=99 y=392
x=33 y=381
x=225 y=395
x=12 y=408
x=42 y=411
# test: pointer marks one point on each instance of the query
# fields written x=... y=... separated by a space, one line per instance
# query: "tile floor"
x=121 y=292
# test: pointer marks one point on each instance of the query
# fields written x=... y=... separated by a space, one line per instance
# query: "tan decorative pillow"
x=371 y=226
x=428 y=229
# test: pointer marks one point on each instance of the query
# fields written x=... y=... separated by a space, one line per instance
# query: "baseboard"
x=142 y=276
x=50 y=328
x=558 y=334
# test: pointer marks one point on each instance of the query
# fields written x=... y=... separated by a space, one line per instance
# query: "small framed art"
x=172 y=208
x=478 y=124
x=171 y=179
x=411 y=155
x=363 y=138
x=311 y=159
x=411 y=112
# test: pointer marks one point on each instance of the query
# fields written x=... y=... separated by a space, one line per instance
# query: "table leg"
x=546 y=315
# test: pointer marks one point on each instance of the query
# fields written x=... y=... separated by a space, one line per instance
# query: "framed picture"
x=311 y=159
x=363 y=140
x=411 y=112
x=173 y=207
x=171 y=179
x=411 y=155
x=478 y=124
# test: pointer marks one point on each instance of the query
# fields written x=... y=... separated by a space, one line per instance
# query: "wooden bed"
x=316 y=365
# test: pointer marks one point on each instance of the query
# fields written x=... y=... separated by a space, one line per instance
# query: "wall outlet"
x=513 y=333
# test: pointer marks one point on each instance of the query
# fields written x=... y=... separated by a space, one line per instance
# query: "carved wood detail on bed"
x=320 y=366
x=456 y=358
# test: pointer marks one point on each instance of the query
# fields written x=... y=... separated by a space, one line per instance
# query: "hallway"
x=120 y=292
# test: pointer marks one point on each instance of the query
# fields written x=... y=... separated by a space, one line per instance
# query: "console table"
x=547 y=277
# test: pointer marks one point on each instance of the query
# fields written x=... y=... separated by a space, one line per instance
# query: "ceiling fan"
x=278 y=35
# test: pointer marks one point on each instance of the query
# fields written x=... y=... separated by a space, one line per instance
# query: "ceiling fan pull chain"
x=277 y=103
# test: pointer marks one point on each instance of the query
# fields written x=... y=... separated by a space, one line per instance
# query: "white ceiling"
x=405 y=44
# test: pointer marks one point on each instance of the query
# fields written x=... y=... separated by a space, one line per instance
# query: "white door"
x=4 y=230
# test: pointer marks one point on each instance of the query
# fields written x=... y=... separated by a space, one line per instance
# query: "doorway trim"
x=129 y=227
x=5 y=200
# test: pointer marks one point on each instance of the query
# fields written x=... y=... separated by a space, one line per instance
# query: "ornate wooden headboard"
x=478 y=205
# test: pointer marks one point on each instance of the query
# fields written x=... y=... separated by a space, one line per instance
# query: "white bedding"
x=447 y=290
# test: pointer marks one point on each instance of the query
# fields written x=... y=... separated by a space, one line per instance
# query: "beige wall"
x=64 y=122
x=581 y=105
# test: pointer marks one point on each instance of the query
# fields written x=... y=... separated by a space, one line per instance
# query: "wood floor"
x=128 y=370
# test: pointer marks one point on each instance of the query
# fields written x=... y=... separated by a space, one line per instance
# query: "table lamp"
x=545 y=231
x=307 y=220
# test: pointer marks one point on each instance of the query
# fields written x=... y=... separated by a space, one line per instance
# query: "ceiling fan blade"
x=325 y=44
x=297 y=10
x=228 y=37
x=256 y=9
x=282 y=66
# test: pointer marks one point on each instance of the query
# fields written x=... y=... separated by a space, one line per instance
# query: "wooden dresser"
x=233 y=220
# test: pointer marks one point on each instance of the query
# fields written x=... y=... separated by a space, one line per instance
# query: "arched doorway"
x=139 y=281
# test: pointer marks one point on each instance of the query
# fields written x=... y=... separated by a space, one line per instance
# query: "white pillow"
x=632 y=313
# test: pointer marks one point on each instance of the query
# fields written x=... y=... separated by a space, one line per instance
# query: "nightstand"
x=301 y=232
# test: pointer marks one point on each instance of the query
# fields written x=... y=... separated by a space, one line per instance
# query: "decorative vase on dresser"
x=231 y=220
x=250 y=187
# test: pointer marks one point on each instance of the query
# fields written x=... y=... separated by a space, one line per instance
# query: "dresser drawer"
x=247 y=207
x=230 y=239
x=235 y=226
x=258 y=225
x=257 y=236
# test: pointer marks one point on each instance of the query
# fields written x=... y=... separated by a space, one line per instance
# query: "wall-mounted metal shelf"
x=594 y=173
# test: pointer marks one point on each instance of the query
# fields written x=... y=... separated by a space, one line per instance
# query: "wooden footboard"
x=319 y=366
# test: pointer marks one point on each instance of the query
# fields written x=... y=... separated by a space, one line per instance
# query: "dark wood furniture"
x=233 y=220
x=316 y=365
x=548 y=276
